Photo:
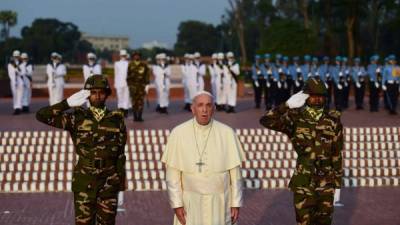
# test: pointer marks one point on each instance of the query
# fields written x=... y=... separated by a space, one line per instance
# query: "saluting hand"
x=181 y=215
x=297 y=100
x=79 y=98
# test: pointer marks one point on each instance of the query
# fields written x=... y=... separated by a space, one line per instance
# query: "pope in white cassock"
x=203 y=159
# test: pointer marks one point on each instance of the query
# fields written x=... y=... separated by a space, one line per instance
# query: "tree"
x=288 y=37
x=237 y=10
x=8 y=19
x=196 y=36
x=51 y=35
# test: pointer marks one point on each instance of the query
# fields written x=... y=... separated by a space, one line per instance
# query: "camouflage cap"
x=97 y=81
x=315 y=86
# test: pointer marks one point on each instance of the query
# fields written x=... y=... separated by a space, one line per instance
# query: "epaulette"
x=117 y=112
x=334 y=113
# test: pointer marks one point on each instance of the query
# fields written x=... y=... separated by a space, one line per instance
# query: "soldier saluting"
x=99 y=137
x=317 y=137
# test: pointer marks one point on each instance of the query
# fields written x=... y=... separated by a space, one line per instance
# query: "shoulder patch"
x=334 y=113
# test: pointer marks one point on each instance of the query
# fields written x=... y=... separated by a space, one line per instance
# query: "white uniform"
x=17 y=85
x=55 y=82
x=201 y=72
x=220 y=89
x=162 y=74
x=27 y=71
x=213 y=75
x=184 y=83
x=121 y=85
x=91 y=69
x=230 y=84
x=192 y=79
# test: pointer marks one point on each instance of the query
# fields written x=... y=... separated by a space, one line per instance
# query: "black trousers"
x=392 y=93
x=270 y=94
x=338 y=95
x=258 y=91
x=359 y=93
x=374 y=97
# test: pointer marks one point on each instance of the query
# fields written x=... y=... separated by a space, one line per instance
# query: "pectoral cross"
x=200 y=164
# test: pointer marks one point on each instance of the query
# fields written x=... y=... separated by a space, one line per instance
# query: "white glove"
x=346 y=84
x=120 y=198
x=79 y=98
x=297 y=83
x=268 y=84
x=279 y=84
x=297 y=100
x=339 y=86
x=384 y=87
x=358 y=85
x=376 y=84
x=326 y=85
x=147 y=88
x=256 y=84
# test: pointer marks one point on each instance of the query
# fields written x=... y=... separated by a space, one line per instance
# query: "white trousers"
x=186 y=95
x=123 y=98
x=231 y=93
x=163 y=96
x=17 y=93
x=220 y=93
x=56 y=93
x=27 y=95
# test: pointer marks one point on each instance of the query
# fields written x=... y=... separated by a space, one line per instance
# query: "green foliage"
x=51 y=35
x=197 y=36
x=8 y=19
x=289 y=38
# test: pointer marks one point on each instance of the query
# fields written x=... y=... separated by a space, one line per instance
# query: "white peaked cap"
x=54 y=54
x=123 y=52
x=220 y=55
x=191 y=56
x=91 y=55
x=186 y=55
x=280 y=70
x=197 y=55
x=229 y=55
x=24 y=55
x=163 y=56
x=16 y=53
x=214 y=56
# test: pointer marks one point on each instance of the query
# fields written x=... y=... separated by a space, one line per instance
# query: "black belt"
x=97 y=163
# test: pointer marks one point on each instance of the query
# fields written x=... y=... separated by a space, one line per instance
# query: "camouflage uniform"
x=318 y=142
x=138 y=78
x=100 y=172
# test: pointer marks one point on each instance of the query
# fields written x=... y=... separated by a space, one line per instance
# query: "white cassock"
x=121 y=85
x=220 y=87
x=90 y=70
x=27 y=71
x=17 y=85
x=162 y=74
x=211 y=69
x=230 y=84
x=206 y=192
x=201 y=72
x=55 y=82
x=184 y=83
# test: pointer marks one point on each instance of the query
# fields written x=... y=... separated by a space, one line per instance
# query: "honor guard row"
x=20 y=73
x=277 y=80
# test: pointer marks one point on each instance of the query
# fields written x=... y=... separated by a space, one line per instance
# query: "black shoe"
x=187 y=107
x=25 y=109
x=17 y=112
x=135 y=117
x=231 y=109
x=158 y=109
x=139 y=116
x=257 y=106
x=393 y=112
